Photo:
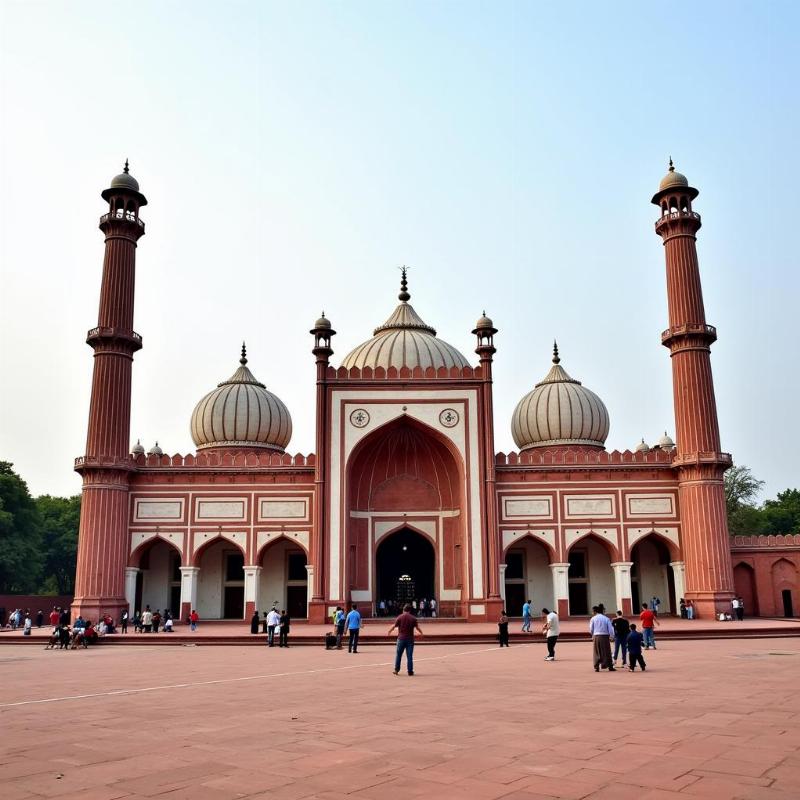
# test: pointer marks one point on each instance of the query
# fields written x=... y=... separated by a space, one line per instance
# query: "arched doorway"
x=528 y=577
x=158 y=582
x=220 y=584
x=785 y=587
x=744 y=583
x=590 y=577
x=651 y=574
x=406 y=475
x=405 y=567
x=283 y=581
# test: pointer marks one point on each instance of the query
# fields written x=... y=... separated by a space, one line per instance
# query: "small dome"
x=404 y=340
x=672 y=178
x=125 y=180
x=559 y=411
x=137 y=449
x=642 y=447
x=484 y=323
x=155 y=450
x=666 y=443
x=240 y=412
x=322 y=323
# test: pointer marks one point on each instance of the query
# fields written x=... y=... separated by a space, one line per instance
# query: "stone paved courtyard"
x=708 y=720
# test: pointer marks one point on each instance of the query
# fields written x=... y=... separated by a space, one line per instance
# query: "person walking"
x=147 y=620
x=433 y=606
x=285 y=622
x=338 y=624
x=655 y=604
x=123 y=620
x=526 y=617
x=621 y=630
x=194 y=619
x=502 y=629
x=353 y=625
x=137 y=622
x=634 y=645
x=405 y=624
x=739 y=610
x=601 y=631
x=273 y=620
x=156 y=620
x=649 y=621
x=39 y=618
x=551 y=630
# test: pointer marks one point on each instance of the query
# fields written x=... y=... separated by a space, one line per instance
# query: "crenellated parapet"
x=403 y=374
x=766 y=541
x=230 y=459
x=567 y=456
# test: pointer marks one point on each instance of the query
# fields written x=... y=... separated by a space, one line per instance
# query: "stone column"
x=622 y=585
x=561 y=587
x=503 y=582
x=252 y=579
x=679 y=574
x=189 y=579
x=131 y=573
x=310 y=572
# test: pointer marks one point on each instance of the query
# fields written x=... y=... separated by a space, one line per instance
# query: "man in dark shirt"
x=406 y=624
x=621 y=630
x=634 y=642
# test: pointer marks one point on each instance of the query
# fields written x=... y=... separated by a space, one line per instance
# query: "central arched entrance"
x=405 y=567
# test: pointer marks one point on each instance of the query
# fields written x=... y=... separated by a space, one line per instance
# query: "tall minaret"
x=103 y=536
x=699 y=460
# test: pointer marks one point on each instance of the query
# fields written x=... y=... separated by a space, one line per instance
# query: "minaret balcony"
x=102 y=335
x=678 y=216
x=707 y=334
x=122 y=216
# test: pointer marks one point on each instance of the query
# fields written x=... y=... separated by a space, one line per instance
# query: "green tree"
x=20 y=534
x=783 y=514
x=60 y=519
x=741 y=488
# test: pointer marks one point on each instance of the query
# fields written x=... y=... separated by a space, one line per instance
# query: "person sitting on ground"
x=64 y=637
x=89 y=635
x=54 y=639
x=168 y=625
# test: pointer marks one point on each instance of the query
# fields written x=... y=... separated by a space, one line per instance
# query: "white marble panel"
x=594 y=507
x=221 y=509
x=283 y=509
x=527 y=507
x=155 y=510
x=651 y=505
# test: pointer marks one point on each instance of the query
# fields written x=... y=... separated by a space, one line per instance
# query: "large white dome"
x=404 y=340
x=559 y=411
x=240 y=412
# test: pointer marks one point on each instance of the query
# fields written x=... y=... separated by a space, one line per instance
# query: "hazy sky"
x=293 y=154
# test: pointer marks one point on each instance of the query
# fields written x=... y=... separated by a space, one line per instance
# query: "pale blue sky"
x=294 y=154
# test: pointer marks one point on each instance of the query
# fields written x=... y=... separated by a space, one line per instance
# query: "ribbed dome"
x=404 y=340
x=665 y=442
x=137 y=449
x=559 y=411
x=672 y=178
x=240 y=412
x=642 y=447
x=125 y=180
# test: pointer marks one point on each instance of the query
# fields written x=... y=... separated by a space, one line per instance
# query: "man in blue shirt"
x=338 y=622
x=353 y=625
x=601 y=631
x=526 y=617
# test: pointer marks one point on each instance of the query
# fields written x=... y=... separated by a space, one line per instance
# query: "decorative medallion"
x=449 y=418
x=359 y=418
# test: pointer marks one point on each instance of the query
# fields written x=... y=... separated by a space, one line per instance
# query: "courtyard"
x=709 y=719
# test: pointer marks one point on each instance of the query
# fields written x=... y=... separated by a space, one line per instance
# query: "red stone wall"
x=763 y=568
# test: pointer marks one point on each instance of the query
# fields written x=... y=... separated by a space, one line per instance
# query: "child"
x=635 y=650
x=502 y=627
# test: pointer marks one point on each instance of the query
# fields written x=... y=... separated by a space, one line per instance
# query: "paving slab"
x=717 y=719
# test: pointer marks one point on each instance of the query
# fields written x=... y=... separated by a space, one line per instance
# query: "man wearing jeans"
x=649 y=621
x=526 y=616
x=406 y=624
x=353 y=625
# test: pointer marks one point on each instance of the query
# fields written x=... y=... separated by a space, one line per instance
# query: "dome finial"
x=404 y=296
x=243 y=359
x=125 y=168
x=671 y=165
x=556 y=359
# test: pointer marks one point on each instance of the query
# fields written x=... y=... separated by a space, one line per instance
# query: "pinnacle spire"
x=404 y=296
x=125 y=168
x=556 y=359
x=243 y=359
x=671 y=165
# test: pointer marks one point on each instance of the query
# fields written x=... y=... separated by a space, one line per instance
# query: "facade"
x=405 y=496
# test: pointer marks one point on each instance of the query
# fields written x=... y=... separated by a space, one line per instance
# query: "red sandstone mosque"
x=405 y=495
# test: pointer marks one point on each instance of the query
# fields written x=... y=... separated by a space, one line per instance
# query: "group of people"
x=149 y=621
x=426 y=607
x=273 y=623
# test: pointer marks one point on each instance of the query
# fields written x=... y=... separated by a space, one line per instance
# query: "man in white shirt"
x=601 y=631
x=550 y=630
x=273 y=620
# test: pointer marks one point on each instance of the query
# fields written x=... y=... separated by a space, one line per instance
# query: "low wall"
x=34 y=602
x=766 y=573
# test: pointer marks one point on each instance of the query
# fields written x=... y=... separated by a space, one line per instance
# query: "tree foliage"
x=60 y=518
x=20 y=534
x=781 y=515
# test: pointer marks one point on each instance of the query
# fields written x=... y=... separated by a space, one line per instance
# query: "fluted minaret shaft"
x=106 y=465
x=699 y=460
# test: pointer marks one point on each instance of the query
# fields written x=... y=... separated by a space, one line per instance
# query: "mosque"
x=405 y=495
